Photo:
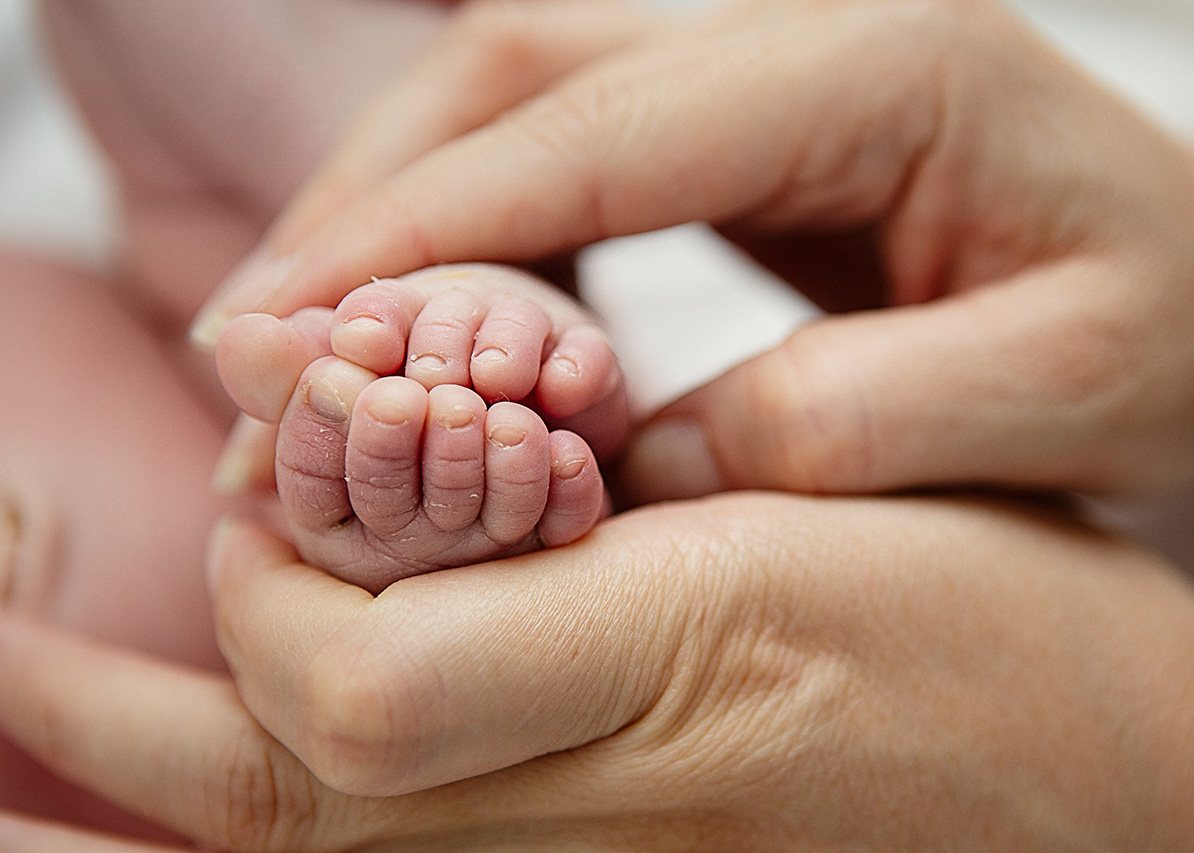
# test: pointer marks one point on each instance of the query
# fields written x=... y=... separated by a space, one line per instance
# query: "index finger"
x=680 y=129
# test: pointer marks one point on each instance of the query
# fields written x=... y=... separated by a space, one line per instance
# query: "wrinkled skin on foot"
x=404 y=444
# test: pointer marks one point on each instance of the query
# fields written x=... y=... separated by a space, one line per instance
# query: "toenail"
x=429 y=361
x=456 y=417
x=364 y=323
x=566 y=364
x=491 y=355
x=387 y=411
x=506 y=435
x=325 y=401
x=566 y=469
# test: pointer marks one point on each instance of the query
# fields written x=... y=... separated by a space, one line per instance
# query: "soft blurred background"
x=681 y=305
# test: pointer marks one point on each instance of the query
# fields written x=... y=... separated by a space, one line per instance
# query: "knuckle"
x=1086 y=361
x=362 y=732
x=812 y=419
x=256 y=805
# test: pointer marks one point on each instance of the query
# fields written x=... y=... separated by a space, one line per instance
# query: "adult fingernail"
x=218 y=544
x=246 y=461
x=247 y=289
x=671 y=460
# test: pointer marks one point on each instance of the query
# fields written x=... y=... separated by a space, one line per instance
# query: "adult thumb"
x=999 y=386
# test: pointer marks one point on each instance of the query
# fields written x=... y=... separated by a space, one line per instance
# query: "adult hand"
x=755 y=672
x=916 y=150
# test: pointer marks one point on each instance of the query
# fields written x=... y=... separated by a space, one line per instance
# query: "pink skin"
x=504 y=333
x=109 y=432
x=108 y=425
x=104 y=499
x=405 y=451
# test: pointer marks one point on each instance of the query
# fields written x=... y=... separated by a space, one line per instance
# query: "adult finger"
x=173 y=745
x=492 y=55
x=1032 y=384
x=443 y=676
x=178 y=748
x=246 y=462
x=25 y=835
x=768 y=123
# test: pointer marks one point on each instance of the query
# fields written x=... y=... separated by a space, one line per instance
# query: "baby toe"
x=312 y=437
x=440 y=346
x=260 y=358
x=581 y=388
x=383 y=468
x=508 y=350
x=580 y=372
x=576 y=499
x=517 y=472
x=453 y=457
x=371 y=325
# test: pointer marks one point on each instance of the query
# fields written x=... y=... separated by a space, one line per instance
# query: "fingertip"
x=249 y=288
x=246 y=462
x=237 y=544
x=204 y=333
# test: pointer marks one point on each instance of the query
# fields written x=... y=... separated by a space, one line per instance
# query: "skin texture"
x=1022 y=229
x=112 y=424
x=386 y=467
x=960 y=675
x=822 y=674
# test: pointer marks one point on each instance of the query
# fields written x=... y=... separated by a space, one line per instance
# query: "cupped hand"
x=750 y=672
x=935 y=156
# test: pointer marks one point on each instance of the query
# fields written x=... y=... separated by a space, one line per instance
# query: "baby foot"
x=504 y=333
x=403 y=452
x=381 y=478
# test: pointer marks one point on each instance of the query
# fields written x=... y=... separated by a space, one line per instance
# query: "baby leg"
x=421 y=443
